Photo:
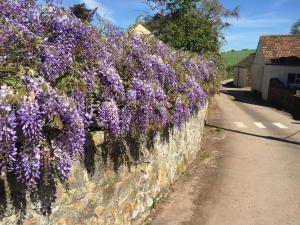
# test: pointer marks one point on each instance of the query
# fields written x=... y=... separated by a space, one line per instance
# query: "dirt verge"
x=185 y=201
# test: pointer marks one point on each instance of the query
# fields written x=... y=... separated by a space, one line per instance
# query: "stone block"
x=113 y=196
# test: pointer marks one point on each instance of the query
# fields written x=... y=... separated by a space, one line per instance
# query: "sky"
x=257 y=17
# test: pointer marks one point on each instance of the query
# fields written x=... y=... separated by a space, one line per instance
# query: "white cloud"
x=239 y=36
x=262 y=21
x=102 y=10
x=245 y=31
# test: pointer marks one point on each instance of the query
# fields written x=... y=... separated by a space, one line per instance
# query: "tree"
x=172 y=6
x=82 y=12
x=192 y=32
x=194 y=25
x=216 y=12
x=295 y=30
x=211 y=9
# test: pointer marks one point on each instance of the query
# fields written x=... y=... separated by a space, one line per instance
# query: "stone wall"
x=110 y=187
x=284 y=97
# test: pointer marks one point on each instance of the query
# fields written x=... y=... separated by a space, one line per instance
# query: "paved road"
x=257 y=180
x=260 y=182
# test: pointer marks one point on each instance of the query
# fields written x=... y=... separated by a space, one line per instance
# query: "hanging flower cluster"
x=59 y=77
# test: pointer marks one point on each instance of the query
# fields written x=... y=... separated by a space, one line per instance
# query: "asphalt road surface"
x=261 y=171
x=257 y=180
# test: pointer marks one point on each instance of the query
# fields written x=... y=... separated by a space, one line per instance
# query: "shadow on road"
x=260 y=136
x=229 y=84
x=292 y=135
x=246 y=96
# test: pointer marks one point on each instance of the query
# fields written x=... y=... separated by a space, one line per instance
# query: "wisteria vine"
x=60 y=77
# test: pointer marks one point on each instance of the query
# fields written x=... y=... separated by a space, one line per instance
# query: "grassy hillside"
x=233 y=57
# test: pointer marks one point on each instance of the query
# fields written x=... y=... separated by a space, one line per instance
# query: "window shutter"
x=291 y=78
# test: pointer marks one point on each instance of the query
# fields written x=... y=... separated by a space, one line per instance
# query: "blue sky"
x=258 y=17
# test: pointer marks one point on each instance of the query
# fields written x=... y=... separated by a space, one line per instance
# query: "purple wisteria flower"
x=68 y=75
x=108 y=114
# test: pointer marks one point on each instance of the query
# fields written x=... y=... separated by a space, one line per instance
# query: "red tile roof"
x=279 y=46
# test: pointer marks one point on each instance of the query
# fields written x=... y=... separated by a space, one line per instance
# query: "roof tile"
x=279 y=46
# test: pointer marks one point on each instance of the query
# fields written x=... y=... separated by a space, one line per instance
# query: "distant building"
x=242 y=72
x=277 y=56
x=140 y=29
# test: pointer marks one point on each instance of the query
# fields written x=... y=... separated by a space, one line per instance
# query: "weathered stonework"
x=103 y=195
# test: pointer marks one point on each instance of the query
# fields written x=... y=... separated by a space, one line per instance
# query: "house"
x=140 y=29
x=242 y=72
x=277 y=56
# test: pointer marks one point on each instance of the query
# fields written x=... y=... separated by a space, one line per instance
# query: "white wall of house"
x=257 y=70
x=240 y=77
x=259 y=56
x=279 y=72
x=141 y=30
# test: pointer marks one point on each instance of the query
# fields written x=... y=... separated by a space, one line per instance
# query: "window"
x=294 y=78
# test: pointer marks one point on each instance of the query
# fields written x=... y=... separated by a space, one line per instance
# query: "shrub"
x=60 y=78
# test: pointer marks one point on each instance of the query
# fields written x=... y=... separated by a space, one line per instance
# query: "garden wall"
x=109 y=187
x=284 y=97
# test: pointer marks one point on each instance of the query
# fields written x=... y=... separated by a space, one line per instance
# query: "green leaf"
x=45 y=87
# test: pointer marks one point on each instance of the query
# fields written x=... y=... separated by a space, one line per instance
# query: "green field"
x=233 y=57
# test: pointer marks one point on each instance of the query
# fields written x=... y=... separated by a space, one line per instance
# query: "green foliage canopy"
x=295 y=30
x=82 y=12
x=194 y=25
x=192 y=32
